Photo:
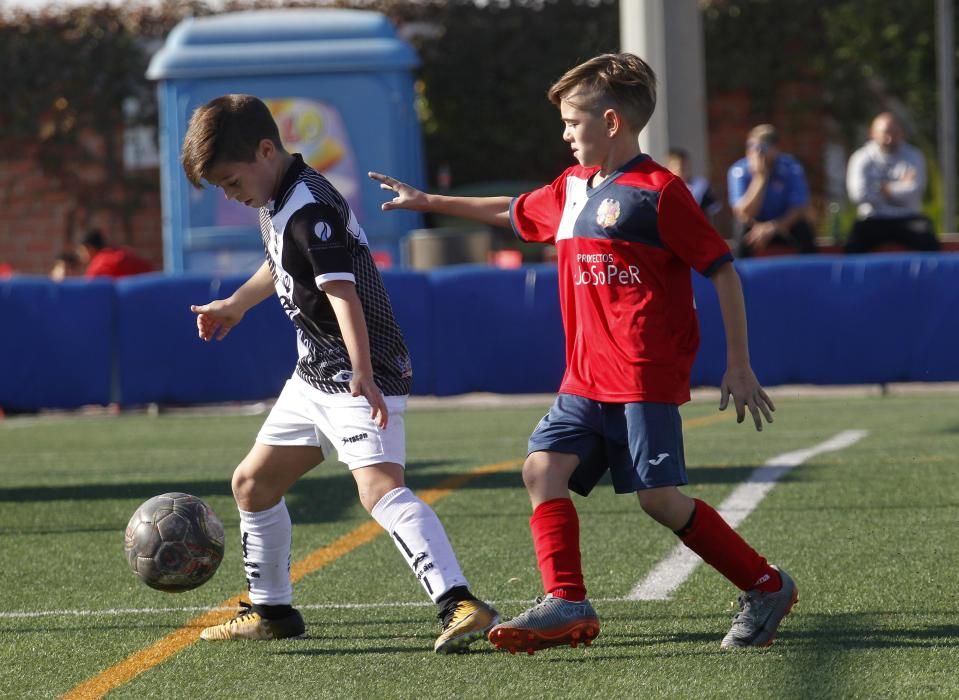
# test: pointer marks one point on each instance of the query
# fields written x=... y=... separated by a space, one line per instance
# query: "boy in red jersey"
x=627 y=233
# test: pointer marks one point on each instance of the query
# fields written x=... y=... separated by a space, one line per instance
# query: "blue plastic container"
x=340 y=85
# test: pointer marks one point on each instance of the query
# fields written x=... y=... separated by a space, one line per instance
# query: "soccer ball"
x=174 y=542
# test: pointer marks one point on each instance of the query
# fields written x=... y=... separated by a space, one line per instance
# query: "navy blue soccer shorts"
x=641 y=443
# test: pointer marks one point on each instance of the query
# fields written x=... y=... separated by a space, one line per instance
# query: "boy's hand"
x=363 y=385
x=743 y=386
x=406 y=197
x=216 y=319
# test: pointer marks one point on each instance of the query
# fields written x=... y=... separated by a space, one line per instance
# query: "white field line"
x=117 y=612
x=672 y=571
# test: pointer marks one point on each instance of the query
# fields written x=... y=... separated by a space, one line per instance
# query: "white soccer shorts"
x=304 y=415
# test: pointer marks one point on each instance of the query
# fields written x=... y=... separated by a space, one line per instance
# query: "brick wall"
x=41 y=217
x=802 y=124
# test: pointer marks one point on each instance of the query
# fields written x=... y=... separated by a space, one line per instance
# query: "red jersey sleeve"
x=99 y=266
x=535 y=215
x=683 y=228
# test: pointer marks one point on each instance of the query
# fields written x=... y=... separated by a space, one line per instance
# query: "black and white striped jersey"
x=312 y=237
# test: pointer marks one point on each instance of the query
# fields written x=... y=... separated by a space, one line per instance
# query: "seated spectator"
x=104 y=261
x=768 y=195
x=885 y=180
x=65 y=265
x=677 y=160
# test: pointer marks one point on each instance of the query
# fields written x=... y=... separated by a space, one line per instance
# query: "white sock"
x=265 y=539
x=420 y=537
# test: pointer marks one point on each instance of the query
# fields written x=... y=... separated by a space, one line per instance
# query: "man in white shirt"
x=885 y=179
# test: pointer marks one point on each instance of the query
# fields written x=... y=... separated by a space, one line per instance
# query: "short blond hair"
x=622 y=81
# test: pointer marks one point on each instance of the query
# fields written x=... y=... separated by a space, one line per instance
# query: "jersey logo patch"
x=608 y=213
x=322 y=231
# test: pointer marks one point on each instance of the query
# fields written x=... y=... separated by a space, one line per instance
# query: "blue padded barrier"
x=496 y=330
x=854 y=319
x=710 y=361
x=840 y=319
x=817 y=320
x=412 y=300
x=55 y=343
x=935 y=348
x=162 y=360
x=253 y=361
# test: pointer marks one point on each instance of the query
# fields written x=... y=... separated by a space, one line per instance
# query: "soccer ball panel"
x=175 y=526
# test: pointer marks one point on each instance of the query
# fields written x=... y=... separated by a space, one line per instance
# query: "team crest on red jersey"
x=608 y=213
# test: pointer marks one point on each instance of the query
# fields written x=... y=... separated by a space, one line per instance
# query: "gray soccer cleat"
x=551 y=622
x=756 y=623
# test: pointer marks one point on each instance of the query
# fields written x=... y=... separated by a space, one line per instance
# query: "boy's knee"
x=651 y=502
x=244 y=488
x=370 y=494
x=666 y=505
x=372 y=483
x=535 y=470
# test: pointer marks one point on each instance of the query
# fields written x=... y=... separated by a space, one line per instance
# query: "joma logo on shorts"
x=355 y=438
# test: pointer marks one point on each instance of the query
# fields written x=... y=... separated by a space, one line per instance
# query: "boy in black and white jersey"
x=351 y=382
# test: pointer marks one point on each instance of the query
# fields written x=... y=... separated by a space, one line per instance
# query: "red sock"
x=555 y=528
x=723 y=549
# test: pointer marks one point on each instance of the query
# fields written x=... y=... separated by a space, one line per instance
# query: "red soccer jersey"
x=117 y=262
x=624 y=250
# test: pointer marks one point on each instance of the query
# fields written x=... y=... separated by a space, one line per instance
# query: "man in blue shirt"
x=768 y=195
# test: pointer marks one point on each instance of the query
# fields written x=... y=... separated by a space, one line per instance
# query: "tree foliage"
x=868 y=56
x=485 y=71
x=486 y=77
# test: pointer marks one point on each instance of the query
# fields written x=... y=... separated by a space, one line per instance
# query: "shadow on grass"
x=312 y=500
x=871 y=630
x=821 y=634
x=416 y=478
x=13 y=532
x=349 y=652
x=382 y=649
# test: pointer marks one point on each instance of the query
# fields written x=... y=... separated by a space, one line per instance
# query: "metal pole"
x=669 y=35
x=642 y=31
x=946 y=61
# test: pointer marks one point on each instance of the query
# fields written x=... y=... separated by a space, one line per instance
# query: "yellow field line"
x=176 y=641
x=710 y=419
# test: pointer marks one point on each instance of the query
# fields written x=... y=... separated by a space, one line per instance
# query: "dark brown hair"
x=622 y=81
x=94 y=239
x=226 y=129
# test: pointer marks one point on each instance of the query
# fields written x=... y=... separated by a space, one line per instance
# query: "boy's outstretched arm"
x=488 y=210
x=739 y=380
x=216 y=318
